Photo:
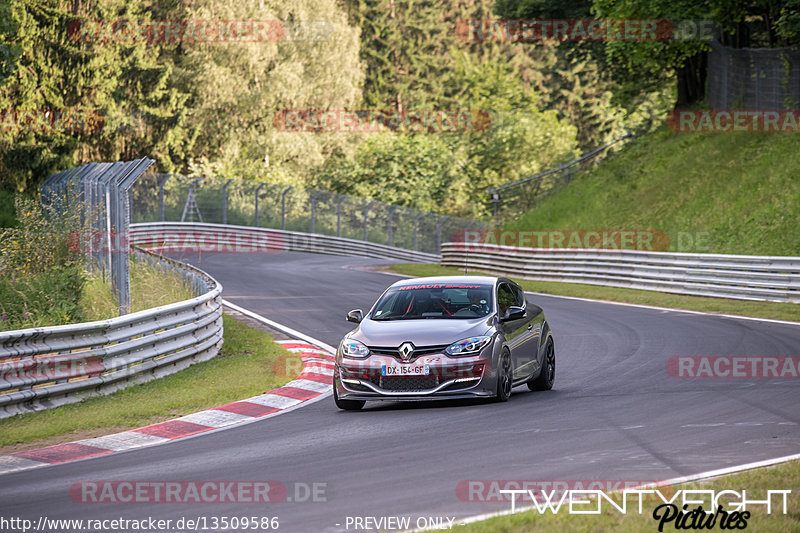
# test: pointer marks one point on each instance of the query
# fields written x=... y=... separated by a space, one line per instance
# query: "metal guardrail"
x=42 y=368
x=208 y=238
x=727 y=276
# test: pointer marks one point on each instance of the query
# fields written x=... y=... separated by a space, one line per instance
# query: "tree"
x=239 y=87
x=73 y=99
x=602 y=98
x=449 y=172
x=9 y=52
x=737 y=23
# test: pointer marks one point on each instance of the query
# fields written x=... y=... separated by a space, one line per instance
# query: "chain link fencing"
x=100 y=192
x=753 y=78
x=513 y=200
x=176 y=198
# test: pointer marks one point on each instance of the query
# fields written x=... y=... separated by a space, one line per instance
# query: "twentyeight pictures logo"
x=669 y=506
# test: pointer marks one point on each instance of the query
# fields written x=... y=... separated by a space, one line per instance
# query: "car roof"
x=449 y=280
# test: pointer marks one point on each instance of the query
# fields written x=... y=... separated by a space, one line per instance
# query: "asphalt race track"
x=614 y=414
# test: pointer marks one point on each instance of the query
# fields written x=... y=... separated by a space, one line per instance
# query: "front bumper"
x=448 y=377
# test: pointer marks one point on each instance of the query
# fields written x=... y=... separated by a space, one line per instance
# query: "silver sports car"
x=444 y=337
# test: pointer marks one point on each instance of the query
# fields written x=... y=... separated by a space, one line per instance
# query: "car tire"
x=546 y=377
x=347 y=405
x=505 y=381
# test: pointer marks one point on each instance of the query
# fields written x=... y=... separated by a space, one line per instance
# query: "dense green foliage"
x=41 y=278
x=634 y=68
x=203 y=106
x=125 y=97
x=210 y=107
x=447 y=172
x=46 y=299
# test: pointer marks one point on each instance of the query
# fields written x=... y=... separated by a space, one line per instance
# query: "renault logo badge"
x=406 y=349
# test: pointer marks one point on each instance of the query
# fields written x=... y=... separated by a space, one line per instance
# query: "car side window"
x=519 y=296
x=505 y=298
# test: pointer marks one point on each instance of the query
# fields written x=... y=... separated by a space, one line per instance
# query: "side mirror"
x=513 y=313
x=356 y=315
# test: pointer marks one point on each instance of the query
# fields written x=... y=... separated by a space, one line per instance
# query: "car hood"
x=422 y=332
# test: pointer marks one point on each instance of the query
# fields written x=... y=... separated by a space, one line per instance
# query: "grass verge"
x=739 y=191
x=246 y=366
x=774 y=310
x=151 y=287
x=757 y=482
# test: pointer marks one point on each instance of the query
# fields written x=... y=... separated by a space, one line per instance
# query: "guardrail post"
x=439 y=233
x=565 y=171
x=391 y=214
x=255 y=220
x=225 y=201
x=339 y=215
x=366 y=210
x=161 y=197
x=416 y=225
x=283 y=207
x=313 y=211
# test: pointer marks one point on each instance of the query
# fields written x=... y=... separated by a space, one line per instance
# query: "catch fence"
x=175 y=198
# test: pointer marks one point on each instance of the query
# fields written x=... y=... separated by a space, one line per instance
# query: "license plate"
x=406 y=370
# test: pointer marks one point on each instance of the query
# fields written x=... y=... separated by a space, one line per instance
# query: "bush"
x=41 y=279
x=40 y=241
x=46 y=299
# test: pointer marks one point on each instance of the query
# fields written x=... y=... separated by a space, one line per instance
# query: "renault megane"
x=444 y=337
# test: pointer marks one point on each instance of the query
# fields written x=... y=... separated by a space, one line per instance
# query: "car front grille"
x=406 y=383
x=418 y=351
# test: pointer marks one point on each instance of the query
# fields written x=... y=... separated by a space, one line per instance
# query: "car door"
x=518 y=333
x=527 y=362
x=535 y=317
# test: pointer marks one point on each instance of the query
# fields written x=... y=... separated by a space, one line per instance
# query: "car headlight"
x=351 y=348
x=469 y=346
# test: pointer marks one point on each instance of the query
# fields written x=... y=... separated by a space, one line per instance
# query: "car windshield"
x=436 y=300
